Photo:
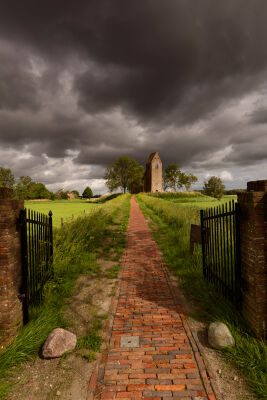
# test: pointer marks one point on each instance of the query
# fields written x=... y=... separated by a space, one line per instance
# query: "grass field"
x=61 y=209
x=193 y=199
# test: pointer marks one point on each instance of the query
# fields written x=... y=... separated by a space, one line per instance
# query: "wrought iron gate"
x=37 y=256
x=221 y=250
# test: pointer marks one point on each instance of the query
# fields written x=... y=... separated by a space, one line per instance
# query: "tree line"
x=127 y=175
x=27 y=189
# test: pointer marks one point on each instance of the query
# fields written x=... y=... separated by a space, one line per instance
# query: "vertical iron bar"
x=224 y=252
x=51 y=244
x=221 y=252
x=212 y=247
x=33 y=256
x=238 y=258
x=231 y=250
x=203 y=242
x=227 y=254
x=24 y=251
x=217 y=248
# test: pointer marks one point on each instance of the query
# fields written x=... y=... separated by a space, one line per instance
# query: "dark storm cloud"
x=163 y=64
x=17 y=85
x=259 y=116
x=152 y=54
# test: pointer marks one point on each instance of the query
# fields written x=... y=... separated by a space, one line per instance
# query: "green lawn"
x=208 y=203
x=61 y=208
x=194 y=199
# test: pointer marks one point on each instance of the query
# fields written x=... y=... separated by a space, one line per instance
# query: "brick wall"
x=10 y=266
x=253 y=242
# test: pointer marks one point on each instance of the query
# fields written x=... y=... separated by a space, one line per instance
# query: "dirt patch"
x=68 y=378
x=230 y=382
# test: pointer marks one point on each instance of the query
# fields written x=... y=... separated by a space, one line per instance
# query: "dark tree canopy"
x=175 y=179
x=27 y=189
x=7 y=179
x=124 y=173
x=87 y=193
x=64 y=196
x=76 y=193
x=214 y=187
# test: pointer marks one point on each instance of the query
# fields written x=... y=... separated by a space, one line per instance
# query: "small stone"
x=235 y=378
x=219 y=336
x=51 y=385
x=58 y=393
x=58 y=342
x=219 y=371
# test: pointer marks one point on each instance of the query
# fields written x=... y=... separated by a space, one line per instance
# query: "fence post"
x=253 y=248
x=11 y=313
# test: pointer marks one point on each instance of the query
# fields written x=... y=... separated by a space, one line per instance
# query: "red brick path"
x=164 y=365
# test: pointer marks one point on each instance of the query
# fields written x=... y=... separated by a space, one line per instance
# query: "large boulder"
x=58 y=342
x=219 y=336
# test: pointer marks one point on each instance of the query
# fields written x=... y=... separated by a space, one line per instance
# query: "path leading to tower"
x=151 y=354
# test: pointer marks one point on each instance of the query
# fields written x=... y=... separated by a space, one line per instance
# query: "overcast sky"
x=83 y=82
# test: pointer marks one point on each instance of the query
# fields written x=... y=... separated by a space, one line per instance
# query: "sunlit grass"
x=61 y=209
x=193 y=199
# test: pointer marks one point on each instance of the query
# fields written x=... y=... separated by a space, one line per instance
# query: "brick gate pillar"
x=10 y=266
x=253 y=242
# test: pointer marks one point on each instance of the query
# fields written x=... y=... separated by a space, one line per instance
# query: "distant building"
x=153 y=174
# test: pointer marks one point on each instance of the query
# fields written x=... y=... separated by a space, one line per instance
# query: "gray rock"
x=219 y=336
x=58 y=342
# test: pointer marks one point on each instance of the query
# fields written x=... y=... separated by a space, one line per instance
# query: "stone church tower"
x=153 y=174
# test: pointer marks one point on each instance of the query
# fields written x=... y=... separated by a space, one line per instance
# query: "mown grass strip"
x=75 y=246
x=171 y=226
x=193 y=199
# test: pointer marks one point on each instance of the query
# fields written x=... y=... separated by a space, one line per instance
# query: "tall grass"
x=75 y=246
x=171 y=225
x=192 y=199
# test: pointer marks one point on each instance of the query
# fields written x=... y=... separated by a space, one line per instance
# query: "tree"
x=7 y=179
x=23 y=187
x=172 y=176
x=87 y=193
x=27 y=189
x=39 y=191
x=188 y=180
x=76 y=193
x=122 y=173
x=214 y=187
x=64 y=196
x=136 y=181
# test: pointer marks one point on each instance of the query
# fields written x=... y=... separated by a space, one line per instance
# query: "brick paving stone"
x=164 y=364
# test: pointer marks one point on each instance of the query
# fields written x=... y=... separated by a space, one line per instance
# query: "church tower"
x=153 y=174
